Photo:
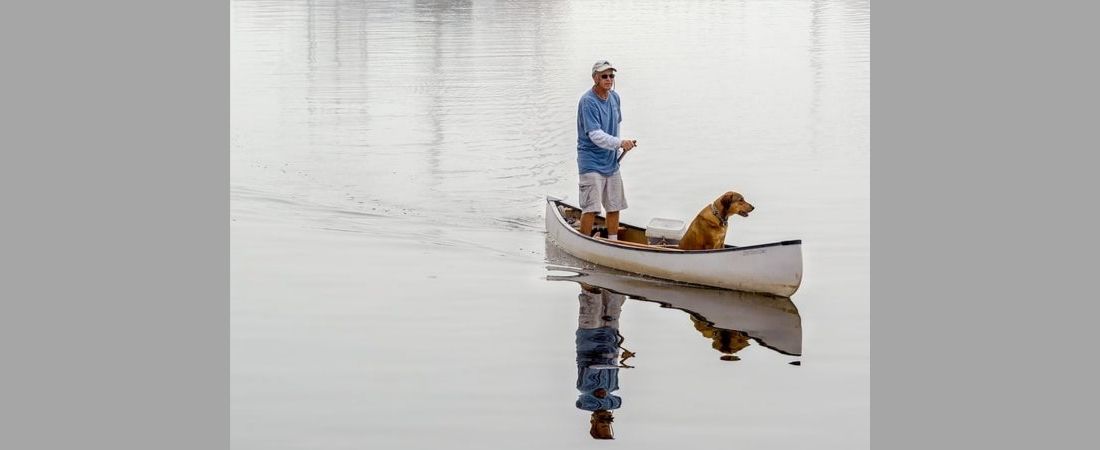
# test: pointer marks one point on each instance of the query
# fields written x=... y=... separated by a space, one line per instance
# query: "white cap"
x=601 y=66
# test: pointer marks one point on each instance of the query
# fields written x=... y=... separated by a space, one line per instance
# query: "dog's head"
x=732 y=203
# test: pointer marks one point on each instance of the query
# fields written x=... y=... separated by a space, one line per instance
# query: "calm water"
x=391 y=282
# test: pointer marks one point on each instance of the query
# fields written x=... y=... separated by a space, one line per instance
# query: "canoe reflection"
x=729 y=319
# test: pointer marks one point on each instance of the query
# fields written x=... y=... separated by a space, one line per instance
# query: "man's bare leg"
x=612 y=225
x=587 y=220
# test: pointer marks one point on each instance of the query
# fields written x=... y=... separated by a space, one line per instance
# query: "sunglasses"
x=608 y=75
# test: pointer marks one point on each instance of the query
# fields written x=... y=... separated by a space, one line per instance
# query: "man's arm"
x=604 y=140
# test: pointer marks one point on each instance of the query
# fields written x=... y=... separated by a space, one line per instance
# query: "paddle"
x=620 y=158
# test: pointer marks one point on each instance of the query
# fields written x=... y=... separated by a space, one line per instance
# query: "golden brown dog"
x=708 y=230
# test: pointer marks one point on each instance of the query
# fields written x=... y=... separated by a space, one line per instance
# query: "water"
x=389 y=271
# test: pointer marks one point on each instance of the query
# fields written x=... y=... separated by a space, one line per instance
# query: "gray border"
x=980 y=284
x=115 y=244
x=116 y=270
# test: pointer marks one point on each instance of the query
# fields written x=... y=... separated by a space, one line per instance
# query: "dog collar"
x=721 y=220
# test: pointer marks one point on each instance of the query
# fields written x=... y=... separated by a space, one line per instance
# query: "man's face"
x=605 y=79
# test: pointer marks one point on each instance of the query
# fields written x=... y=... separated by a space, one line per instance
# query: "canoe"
x=774 y=322
x=772 y=268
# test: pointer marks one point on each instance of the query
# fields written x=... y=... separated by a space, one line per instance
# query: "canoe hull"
x=774 y=268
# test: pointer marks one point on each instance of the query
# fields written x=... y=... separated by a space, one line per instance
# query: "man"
x=598 y=143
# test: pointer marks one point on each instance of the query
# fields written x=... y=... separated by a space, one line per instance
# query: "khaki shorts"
x=600 y=309
x=599 y=190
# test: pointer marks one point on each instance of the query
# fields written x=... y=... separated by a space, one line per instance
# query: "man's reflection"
x=598 y=344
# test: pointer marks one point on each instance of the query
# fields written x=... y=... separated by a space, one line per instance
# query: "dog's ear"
x=726 y=202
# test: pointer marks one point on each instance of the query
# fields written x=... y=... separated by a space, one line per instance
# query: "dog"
x=708 y=230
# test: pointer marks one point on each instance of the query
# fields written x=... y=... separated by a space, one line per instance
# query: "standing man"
x=598 y=144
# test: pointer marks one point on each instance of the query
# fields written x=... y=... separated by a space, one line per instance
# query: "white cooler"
x=664 y=231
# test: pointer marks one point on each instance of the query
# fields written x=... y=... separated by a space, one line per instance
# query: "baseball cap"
x=601 y=66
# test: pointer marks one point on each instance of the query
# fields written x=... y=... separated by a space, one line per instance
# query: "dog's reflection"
x=727 y=342
x=598 y=356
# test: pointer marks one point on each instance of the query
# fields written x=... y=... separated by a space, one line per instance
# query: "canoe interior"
x=627 y=232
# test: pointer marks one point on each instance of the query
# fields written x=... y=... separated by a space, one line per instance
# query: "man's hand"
x=628 y=144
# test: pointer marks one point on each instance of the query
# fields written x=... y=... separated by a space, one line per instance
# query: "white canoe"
x=774 y=268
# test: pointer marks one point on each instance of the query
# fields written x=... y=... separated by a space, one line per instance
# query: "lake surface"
x=391 y=282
